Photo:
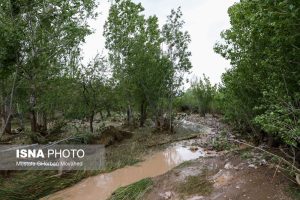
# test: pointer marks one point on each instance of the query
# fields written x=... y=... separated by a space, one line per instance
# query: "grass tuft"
x=134 y=191
x=294 y=191
x=184 y=164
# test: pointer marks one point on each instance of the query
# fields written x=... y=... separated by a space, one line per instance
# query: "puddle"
x=101 y=186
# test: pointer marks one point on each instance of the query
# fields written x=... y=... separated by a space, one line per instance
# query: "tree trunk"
x=170 y=125
x=20 y=118
x=6 y=117
x=41 y=118
x=129 y=115
x=91 y=122
x=44 y=121
x=143 y=113
x=32 y=104
x=159 y=120
x=101 y=115
x=108 y=112
x=6 y=124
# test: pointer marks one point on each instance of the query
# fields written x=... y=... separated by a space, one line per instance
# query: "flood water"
x=101 y=186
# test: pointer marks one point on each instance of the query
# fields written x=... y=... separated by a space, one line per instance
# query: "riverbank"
x=235 y=172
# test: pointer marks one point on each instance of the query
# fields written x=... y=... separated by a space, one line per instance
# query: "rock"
x=263 y=162
x=166 y=195
x=252 y=166
x=193 y=149
x=228 y=166
x=196 y=198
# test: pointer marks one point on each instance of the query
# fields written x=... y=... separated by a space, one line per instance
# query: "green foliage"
x=39 y=44
x=144 y=72
x=140 y=74
x=176 y=41
x=261 y=90
x=187 y=102
x=205 y=93
x=201 y=97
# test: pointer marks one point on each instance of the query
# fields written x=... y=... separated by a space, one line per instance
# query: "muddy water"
x=100 y=187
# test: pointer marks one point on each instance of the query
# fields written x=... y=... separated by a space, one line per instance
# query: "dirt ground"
x=231 y=178
x=238 y=175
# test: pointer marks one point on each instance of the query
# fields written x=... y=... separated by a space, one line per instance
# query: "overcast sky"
x=205 y=19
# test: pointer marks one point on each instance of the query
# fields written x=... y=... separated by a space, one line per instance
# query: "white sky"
x=205 y=19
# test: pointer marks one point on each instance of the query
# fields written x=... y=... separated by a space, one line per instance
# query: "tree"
x=176 y=42
x=94 y=88
x=261 y=90
x=134 y=51
x=205 y=93
x=51 y=34
x=9 y=59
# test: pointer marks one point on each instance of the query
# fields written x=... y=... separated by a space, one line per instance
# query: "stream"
x=102 y=185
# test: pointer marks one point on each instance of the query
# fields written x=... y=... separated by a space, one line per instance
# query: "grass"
x=294 y=191
x=36 y=184
x=195 y=185
x=184 y=164
x=246 y=154
x=134 y=191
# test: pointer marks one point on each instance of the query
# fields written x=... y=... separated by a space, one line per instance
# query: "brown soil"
x=231 y=178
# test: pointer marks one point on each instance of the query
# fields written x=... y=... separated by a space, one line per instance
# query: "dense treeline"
x=43 y=77
x=202 y=97
x=261 y=92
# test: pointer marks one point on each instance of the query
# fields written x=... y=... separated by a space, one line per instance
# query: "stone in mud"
x=252 y=166
x=193 y=149
x=166 y=195
x=228 y=166
x=196 y=198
